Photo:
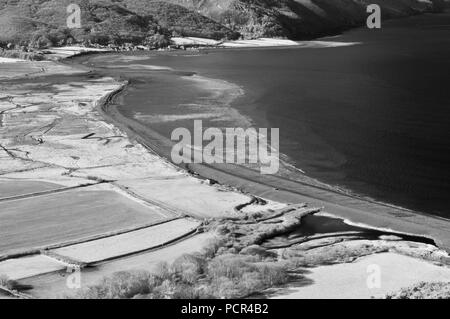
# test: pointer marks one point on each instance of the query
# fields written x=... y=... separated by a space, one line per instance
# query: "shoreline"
x=100 y=115
x=358 y=210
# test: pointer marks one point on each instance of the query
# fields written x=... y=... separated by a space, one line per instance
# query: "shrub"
x=188 y=267
x=193 y=277
x=231 y=266
x=212 y=247
x=6 y=282
x=223 y=287
x=272 y=274
x=256 y=250
x=163 y=271
x=121 y=285
x=157 y=41
x=187 y=291
x=423 y=290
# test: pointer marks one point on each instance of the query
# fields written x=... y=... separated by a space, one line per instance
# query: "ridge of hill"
x=42 y=23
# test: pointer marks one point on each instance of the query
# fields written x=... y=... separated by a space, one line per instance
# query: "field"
x=53 y=285
x=84 y=192
x=72 y=215
x=208 y=202
x=352 y=280
x=17 y=188
x=19 y=69
x=128 y=243
x=29 y=266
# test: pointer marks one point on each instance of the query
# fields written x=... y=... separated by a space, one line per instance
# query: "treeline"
x=300 y=19
x=217 y=272
x=42 y=23
x=37 y=24
x=181 y=21
x=104 y=23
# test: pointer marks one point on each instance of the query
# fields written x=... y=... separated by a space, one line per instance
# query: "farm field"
x=35 y=222
x=208 y=202
x=17 y=188
x=4 y=296
x=128 y=243
x=20 y=69
x=29 y=266
x=53 y=285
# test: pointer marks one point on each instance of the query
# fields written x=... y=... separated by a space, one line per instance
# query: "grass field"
x=16 y=70
x=53 y=285
x=17 y=188
x=75 y=214
x=208 y=202
x=29 y=266
x=132 y=242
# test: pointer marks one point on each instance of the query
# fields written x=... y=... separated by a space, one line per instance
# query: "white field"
x=25 y=267
x=262 y=42
x=269 y=42
x=193 y=41
x=350 y=281
x=72 y=216
x=107 y=154
x=10 y=60
x=68 y=51
x=128 y=243
x=34 y=68
x=46 y=175
x=188 y=195
x=53 y=285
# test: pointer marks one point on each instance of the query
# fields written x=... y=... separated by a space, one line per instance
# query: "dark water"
x=313 y=225
x=372 y=118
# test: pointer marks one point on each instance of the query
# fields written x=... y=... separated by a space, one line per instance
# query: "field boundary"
x=81 y=264
x=48 y=192
x=41 y=250
x=15 y=293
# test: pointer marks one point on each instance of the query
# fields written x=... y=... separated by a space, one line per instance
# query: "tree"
x=157 y=41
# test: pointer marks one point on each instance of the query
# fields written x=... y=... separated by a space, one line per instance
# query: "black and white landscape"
x=128 y=129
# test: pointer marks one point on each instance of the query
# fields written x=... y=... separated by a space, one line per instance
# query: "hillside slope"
x=42 y=23
x=299 y=19
x=179 y=20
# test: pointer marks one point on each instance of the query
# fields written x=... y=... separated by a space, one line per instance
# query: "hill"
x=181 y=21
x=299 y=19
x=42 y=23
